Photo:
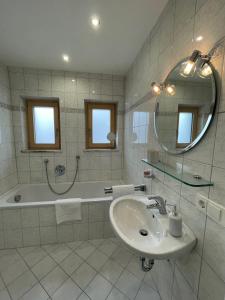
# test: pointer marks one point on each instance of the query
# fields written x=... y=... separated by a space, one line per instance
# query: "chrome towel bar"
x=141 y=187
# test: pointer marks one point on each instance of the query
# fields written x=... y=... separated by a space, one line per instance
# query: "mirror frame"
x=207 y=124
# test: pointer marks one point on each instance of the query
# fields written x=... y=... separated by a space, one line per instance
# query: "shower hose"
x=72 y=184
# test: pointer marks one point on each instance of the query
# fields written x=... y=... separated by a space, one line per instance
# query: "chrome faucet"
x=160 y=204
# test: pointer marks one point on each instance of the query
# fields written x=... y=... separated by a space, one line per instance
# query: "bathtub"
x=32 y=221
x=40 y=194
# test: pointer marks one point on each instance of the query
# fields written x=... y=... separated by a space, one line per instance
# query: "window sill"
x=40 y=151
x=101 y=150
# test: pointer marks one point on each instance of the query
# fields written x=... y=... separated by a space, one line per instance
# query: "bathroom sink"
x=146 y=231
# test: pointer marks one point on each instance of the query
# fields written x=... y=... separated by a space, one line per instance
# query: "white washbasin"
x=128 y=215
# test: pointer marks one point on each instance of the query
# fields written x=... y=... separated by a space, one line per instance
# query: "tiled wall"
x=23 y=227
x=8 y=175
x=202 y=275
x=71 y=89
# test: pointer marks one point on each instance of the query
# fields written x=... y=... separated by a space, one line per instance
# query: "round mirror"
x=185 y=107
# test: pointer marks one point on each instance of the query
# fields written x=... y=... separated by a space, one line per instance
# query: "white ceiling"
x=35 y=33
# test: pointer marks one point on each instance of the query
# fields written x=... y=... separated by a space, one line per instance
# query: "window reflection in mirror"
x=186 y=125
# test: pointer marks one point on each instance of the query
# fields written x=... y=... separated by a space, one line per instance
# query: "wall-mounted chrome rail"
x=141 y=188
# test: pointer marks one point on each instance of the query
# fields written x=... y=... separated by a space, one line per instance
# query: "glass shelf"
x=186 y=178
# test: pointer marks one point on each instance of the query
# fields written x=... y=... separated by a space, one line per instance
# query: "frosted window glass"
x=100 y=126
x=44 y=125
x=185 y=128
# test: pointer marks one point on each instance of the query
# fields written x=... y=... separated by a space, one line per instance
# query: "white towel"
x=121 y=190
x=68 y=210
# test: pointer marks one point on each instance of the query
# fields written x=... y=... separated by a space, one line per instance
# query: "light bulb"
x=205 y=71
x=187 y=68
x=170 y=89
x=156 y=88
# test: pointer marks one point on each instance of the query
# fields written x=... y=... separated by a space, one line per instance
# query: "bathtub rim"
x=5 y=204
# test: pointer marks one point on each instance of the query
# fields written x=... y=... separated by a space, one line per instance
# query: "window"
x=43 y=124
x=186 y=125
x=100 y=125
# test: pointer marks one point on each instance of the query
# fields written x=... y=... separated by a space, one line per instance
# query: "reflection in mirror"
x=183 y=116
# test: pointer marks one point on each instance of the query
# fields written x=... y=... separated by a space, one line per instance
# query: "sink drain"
x=143 y=232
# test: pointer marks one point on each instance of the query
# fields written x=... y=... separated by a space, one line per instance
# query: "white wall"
x=8 y=175
x=101 y=165
x=202 y=275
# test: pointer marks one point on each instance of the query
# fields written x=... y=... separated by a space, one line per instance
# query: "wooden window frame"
x=89 y=106
x=194 y=111
x=31 y=103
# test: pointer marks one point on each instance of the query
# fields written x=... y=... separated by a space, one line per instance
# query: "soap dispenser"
x=175 y=223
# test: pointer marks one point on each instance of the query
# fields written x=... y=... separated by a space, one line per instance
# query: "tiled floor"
x=95 y=269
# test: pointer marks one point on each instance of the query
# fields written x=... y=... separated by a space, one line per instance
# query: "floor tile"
x=21 y=285
x=122 y=256
x=54 y=280
x=116 y=295
x=96 y=242
x=99 y=288
x=85 y=250
x=149 y=280
x=108 y=247
x=97 y=259
x=7 y=258
x=58 y=252
x=134 y=266
x=68 y=291
x=44 y=266
x=36 y=293
x=128 y=284
x=83 y=296
x=146 y=293
x=83 y=275
x=71 y=263
x=111 y=271
x=33 y=256
x=74 y=245
x=4 y=295
x=13 y=271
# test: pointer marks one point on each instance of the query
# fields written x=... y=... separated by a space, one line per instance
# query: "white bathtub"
x=40 y=194
x=32 y=221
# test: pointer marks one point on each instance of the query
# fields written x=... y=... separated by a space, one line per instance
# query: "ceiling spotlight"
x=65 y=57
x=199 y=38
x=73 y=80
x=95 y=21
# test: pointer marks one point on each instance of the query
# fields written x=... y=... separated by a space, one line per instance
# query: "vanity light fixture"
x=205 y=71
x=197 y=61
x=188 y=67
x=157 y=88
x=170 y=89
